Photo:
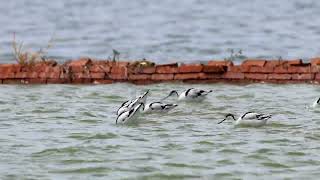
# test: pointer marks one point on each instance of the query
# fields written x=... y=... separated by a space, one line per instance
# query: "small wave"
x=87 y=170
x=275 y=165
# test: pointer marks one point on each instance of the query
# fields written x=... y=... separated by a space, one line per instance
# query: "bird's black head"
x=227 y=115
x=173 y=92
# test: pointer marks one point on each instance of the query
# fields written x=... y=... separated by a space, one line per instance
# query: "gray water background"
x=69 y=132
x=163 y=31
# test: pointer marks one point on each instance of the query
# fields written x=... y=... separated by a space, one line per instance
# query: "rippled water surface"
x=69 y=132
x=167 y=31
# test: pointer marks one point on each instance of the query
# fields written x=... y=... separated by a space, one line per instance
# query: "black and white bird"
x=129 y=115
x=249 y=119
x=143 y=97
x=158 y=107
x=316 y=103
x=191 y=94
x=127 y=105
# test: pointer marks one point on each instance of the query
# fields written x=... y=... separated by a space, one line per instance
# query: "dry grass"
x=25 y=57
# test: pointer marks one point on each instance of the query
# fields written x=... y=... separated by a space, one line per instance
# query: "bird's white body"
x=158 y=107
x=143 y=97
x=250 y=119
x=191 y=94
x=316 y=103
x=129 y=115
x=127 y=105
x=253 y=119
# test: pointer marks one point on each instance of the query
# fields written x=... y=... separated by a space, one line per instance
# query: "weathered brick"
x=299 y=69
x=54 y=75
x=256 y=76
x=184 y=76
x=214 y=69
x=281 y=69
x=43 y=75
x=233 y=75
x=258 y=69
x=236 y=69
x=21 y=75
x=167 y=68
x=139 y=77
x=118 y=76
x=315 y=68
x=99 y=68
x=211 y=76
x=119 y=70
x=81 y=75
x=279 y=76
x=97 y=75
x=162 y=77
x=315 y=61
x=308 y=76
x=9 y=68
x=148 y=70
x=32 y=75
x=190 y=68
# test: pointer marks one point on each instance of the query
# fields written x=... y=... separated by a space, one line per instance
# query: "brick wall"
x=89 y=71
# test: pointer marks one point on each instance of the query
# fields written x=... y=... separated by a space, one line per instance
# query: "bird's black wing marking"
x=263 y=116
x=188 y=91
x=130 y=112
x=318 y=102
x=245 y=114
x=200 y=92
x=124 y=103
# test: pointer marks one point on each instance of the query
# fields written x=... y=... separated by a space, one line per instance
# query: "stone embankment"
x=87 y=71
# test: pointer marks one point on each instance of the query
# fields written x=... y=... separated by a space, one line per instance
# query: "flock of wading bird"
x=131 y=109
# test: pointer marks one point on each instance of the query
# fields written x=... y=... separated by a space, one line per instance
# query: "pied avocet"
x=129 y=115
x=316 y=103
x=158 y=107
x=249 y=119
x=191 y=94
x=127 y=105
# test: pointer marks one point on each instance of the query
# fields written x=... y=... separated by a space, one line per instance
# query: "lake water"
x=165 y=31
x=69 y=132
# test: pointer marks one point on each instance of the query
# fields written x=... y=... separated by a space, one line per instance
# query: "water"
x=69 y=132
x=169 y=31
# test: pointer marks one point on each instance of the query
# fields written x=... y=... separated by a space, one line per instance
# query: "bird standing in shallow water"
x=191 y=94
x=249 y=119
